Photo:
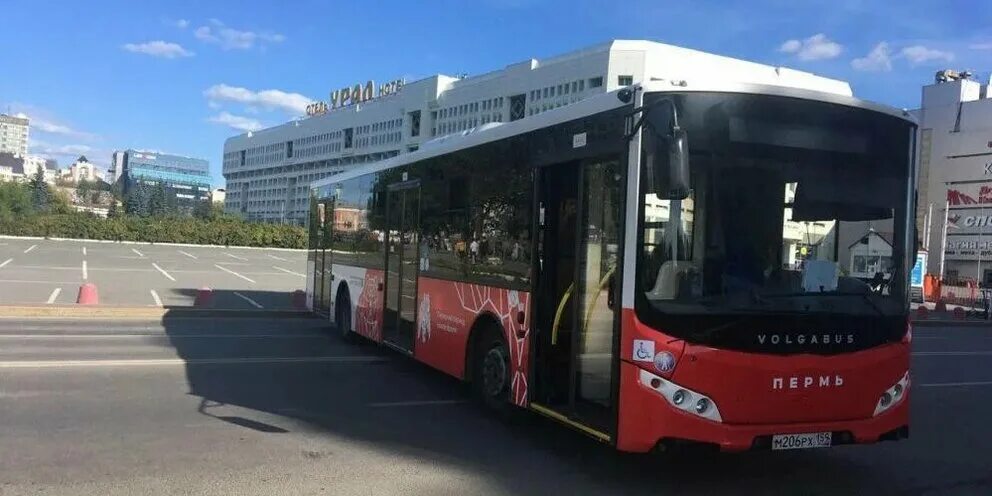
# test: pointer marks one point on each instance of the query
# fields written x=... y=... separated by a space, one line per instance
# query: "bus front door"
x=578 y=253
x=402 y=244
x=321 y=237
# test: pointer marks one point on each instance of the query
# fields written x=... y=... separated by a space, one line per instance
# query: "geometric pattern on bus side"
x=505 y=304
x=368 y=312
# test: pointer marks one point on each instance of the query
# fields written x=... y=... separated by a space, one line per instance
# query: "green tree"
x=83 y=190
x=15 y=198
x=113 y=211
x=136 y=200
x=157 y=201
x=203 y=210
x=117 y=190
x=41 y=194
x=171 y=203
x=59 y=202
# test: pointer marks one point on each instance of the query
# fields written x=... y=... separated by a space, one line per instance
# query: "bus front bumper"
x=648 y=422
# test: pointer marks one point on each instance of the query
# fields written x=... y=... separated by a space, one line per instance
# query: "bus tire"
x=491 y=369
x=342 y=315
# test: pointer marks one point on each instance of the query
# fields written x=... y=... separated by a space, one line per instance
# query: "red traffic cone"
x=88 y=295
x=204 y=297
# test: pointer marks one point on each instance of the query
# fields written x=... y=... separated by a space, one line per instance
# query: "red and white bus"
x=662 y=265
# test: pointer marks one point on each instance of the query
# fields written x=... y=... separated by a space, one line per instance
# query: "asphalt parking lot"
x=270 y=406
x=50 y=272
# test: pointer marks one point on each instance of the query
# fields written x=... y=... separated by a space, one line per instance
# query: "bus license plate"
x=801 y=441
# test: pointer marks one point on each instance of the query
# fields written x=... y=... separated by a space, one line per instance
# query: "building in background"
x=23 y=168
x=32 y=163
x=218 y=195
x=14 y=134
x=955 y=157
x=81 y=170
x=11 y=167
x=268 y=172
x=185 y=177
x=116 y=167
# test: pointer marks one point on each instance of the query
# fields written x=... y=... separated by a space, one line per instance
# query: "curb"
x=97 y=312
x=148 y=243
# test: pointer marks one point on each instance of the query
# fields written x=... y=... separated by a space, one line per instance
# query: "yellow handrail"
x=564 y=300
x=561 y=307
x=591 y=304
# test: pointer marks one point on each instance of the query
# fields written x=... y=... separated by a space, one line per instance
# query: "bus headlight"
x=682 y=398
x=892 y=396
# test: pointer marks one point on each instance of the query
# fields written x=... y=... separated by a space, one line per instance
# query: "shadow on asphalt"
x=523 y=454
x=248 y=299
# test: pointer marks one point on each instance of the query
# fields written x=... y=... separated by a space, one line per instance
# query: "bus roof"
x=491 y=132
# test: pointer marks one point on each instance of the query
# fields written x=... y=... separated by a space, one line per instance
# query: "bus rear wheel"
x=491 y=374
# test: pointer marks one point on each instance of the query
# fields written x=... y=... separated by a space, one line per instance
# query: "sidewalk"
x=926 y=313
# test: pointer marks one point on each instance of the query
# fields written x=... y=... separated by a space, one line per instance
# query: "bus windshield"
x=795 y=207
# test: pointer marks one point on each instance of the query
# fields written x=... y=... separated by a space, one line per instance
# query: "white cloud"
x=238 y=122
x=816 y=47
x=919 y=54
x=790 y=46
x=981 y=46
x=879 y=59
x=159 y=48
x=233 y=39
x=182 y=24
x=38 y=147
x=293 y=103
x=42 y=121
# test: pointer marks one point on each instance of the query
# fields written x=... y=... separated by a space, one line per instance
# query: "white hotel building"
x=956 y=177
x=268 y=172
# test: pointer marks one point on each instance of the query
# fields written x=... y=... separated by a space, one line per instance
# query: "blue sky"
x=181 y=76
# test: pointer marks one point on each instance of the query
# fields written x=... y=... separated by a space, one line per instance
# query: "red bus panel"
x=446 y=312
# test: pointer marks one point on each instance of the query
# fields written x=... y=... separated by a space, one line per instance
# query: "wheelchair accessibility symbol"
x=643 y=350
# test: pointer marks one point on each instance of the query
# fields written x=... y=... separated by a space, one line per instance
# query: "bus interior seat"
x=671 y=278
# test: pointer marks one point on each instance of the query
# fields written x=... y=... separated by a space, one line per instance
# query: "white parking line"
x=278 y=258
x=187 y=254
x=249 y=300
x=416 y=403
x=84 y=251
x=142 y=255
x=85 y=273
x=30 y=248
x=37 y=364
x=234 y=273
x=158 y=301
x=235 y=256
x=958 y=384
x=164 y=273
x=289 y=271
x=54 y=295
x=6 y=262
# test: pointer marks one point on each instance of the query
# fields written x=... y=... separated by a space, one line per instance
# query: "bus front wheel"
x=491 y=375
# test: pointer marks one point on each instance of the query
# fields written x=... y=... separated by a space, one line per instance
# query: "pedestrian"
x=473 y=249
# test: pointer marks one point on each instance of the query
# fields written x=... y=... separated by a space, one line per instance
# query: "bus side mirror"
x=678 y=164
x=666 y=152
